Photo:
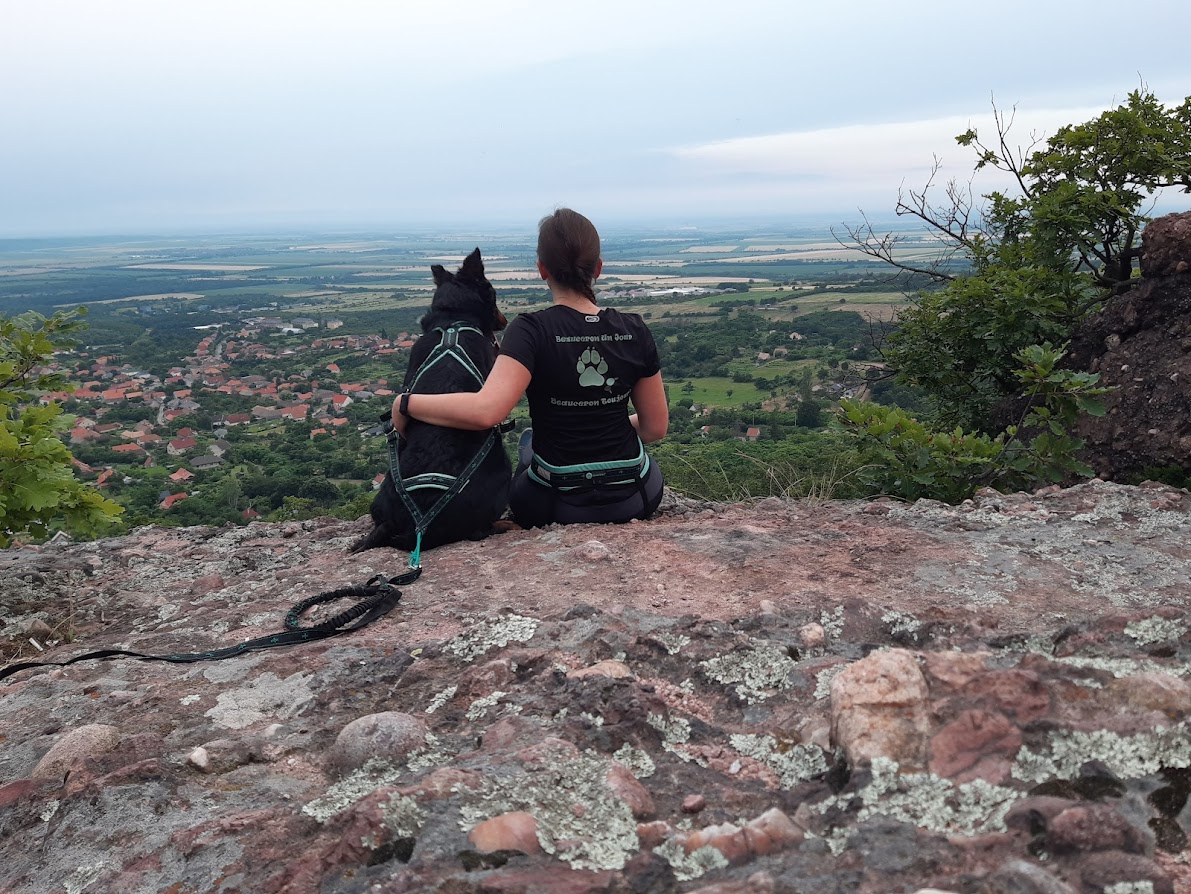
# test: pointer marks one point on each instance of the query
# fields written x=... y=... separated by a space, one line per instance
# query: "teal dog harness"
x=447 y=349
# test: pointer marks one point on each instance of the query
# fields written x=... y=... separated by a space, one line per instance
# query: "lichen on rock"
x=1129 y=757
x=693 y=865
x=793 y=763
x=484 y=636
x=755 y=673
x=926 y=801
x=601 y=834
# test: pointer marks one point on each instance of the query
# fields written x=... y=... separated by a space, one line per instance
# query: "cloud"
x=864 y=155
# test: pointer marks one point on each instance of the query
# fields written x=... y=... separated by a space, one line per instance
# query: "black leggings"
x=535 y=505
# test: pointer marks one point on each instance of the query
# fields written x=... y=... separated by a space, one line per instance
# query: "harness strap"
x=428 y=481
x=377 y=598
x=421 y=519
x=448 y=347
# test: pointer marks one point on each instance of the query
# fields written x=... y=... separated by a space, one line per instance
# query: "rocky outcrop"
x=1141 y=347
x=859 y=697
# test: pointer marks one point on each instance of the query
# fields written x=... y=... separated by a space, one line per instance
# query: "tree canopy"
x=1025 y=268
x=38 y=491
x=1017 y=272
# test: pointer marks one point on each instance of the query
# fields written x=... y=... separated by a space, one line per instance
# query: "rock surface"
x=852 y=697
x=1140 y=345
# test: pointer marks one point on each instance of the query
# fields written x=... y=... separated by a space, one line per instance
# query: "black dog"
x=464 y=304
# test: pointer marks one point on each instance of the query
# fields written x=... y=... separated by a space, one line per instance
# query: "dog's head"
x=467 y=294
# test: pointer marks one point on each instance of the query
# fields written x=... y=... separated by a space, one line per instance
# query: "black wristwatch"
x=403 y=404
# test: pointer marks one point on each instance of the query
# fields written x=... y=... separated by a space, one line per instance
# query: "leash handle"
x=379 y=596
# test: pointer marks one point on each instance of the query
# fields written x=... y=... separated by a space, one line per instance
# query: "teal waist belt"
x=582 y=476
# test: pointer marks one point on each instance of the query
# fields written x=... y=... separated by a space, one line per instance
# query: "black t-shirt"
x=583 y=367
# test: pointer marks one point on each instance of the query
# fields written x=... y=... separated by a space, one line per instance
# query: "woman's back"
x=583 y=367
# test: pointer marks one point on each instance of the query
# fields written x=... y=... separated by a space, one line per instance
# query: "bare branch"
x=883 y=247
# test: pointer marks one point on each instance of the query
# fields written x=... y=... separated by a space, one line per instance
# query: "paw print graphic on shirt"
x=591 y=368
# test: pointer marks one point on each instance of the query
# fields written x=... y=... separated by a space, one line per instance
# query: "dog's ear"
x=473 y=267
x=440 y=274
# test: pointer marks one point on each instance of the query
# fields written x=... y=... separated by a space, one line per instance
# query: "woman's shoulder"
x=629 y=319
x=537 y=317
x=628 y=322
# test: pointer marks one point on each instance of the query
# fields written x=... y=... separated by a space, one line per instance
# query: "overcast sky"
x=148 y=116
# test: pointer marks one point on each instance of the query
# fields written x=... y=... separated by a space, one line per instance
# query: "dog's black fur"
x=464 y=297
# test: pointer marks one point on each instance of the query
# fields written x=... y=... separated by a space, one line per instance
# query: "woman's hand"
x=399 y=419
x=653 y=415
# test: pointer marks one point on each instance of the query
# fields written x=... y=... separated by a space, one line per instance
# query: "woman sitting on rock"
x=580 y=365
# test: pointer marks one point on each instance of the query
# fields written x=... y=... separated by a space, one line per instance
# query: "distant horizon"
x=496 y=226
x=1172 y=202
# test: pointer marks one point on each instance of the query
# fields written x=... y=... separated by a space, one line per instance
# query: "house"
x=249 y=514
x=181 y=475
x=752 y=433
x=169 y=501
x=220 y=447
x=339 y=401
x=178 y=446
x=201 y=463
x=378 y=480
x=129 y=450
x=80 y=435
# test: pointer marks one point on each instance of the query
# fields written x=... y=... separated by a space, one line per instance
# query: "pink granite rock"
x=514 y=831
x=879 y=709
x=1095 y=827
x=975 y=745
x=389 y=736
x=84 y=742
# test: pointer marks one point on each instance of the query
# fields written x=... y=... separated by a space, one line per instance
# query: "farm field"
x=375 y=271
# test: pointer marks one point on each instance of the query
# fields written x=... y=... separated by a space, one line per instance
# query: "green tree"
x=1025 y=268
x=1016 y=276
x=906 y=459
x=38 y=491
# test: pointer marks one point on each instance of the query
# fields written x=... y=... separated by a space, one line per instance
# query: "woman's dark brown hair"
x=569 y=248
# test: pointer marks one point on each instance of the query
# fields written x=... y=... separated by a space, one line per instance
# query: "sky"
x=151 y=117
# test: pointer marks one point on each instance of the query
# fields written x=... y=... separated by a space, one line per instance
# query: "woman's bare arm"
x=653 y=415
x=474 y=411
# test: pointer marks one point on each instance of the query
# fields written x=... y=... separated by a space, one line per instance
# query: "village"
x=169 y=431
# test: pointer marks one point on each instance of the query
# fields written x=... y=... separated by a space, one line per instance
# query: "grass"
x=713 y=391
x=713 y=481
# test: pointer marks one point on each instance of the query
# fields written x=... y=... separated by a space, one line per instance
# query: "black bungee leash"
x=375 y=599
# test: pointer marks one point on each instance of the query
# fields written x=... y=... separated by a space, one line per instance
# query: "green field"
x=713 y=391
